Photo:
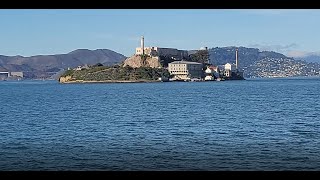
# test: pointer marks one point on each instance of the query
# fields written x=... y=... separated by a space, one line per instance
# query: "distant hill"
x=246 y=56
x=256 y=63
x=252 y=61
x=44 y=66
x=309 y=58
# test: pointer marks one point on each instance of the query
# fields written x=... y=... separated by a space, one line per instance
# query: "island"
x=113 y=74
x=154 y=64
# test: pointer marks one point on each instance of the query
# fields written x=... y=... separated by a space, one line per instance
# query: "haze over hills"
x=43 y=66
x=310 y=57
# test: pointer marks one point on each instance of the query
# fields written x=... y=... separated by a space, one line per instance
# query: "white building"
x=211 y=72
x=230 y=67
x=158 y=51
x=185 y=70
x=17 y=74
x=78 y=68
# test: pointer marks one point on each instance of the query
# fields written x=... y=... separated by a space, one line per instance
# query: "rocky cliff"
x=65 y=79
x=136 y=61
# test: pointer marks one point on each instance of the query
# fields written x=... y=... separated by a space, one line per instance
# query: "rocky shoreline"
x=107 y=81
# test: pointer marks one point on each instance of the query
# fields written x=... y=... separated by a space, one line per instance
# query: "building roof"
x=213 y=67
x=184 y=62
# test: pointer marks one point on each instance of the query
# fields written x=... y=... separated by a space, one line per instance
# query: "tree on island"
x=98 y=65
x=165 y=60
x=201 y=56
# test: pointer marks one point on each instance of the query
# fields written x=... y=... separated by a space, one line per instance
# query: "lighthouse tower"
x=142 y=44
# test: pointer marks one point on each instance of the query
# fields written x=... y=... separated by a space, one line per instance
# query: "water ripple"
x=263 y=124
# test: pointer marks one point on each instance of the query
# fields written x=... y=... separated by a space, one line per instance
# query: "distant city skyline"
x=35 y=32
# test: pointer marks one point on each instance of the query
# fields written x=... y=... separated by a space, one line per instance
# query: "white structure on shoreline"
x=212 y=72
x=7 y=75
x=231 y=68
x=12 y=74
x=185 y=70
x=17 y=74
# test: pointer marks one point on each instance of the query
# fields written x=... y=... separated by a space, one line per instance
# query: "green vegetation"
x=97 y=65
x=117 y=73
x=201 y=56
x=165 y=60
x=67 y=73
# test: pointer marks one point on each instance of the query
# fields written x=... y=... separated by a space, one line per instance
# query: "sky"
x=29 y=32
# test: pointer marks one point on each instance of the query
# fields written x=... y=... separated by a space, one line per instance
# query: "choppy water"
x=263 y=124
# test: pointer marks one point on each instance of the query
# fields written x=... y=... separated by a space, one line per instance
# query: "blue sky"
x=53 y=31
